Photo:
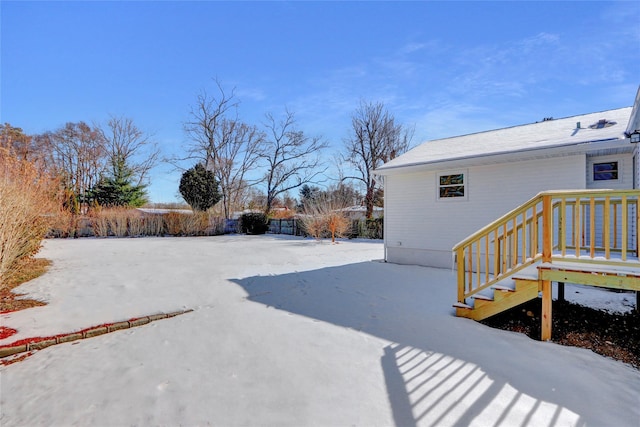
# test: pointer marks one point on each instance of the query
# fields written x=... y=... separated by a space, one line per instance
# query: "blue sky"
x=447 y=68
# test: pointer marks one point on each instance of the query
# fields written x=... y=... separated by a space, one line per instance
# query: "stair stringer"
x=508 y=293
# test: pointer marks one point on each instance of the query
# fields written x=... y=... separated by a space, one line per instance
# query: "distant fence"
x=367 y=229
x=285 y=226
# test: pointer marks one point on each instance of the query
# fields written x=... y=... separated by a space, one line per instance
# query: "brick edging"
x=31 y=344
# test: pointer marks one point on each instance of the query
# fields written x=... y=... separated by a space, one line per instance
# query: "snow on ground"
x=287 y=332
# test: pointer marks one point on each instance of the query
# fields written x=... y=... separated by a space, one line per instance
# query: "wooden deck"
x=581 y=237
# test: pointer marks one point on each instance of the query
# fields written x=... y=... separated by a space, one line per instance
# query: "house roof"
x=551 y=135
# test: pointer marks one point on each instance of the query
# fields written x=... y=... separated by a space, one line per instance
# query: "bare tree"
x=227 y=146
x=237 y=153
x=293 y=159
x=206 y=118
x=375 y=139
x=79 y=157
x=128 y=146
x=15 y=141
x=25 y=147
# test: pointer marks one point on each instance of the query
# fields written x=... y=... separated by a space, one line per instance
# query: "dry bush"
x=173 y=223
x=185 y=224
x=118 y=222
x=153 y=225
x=100 y=224
x=28 y=204
x=195 y=224
x=338 y=224
x=324 y=216
x=137 y=226
x=63 y=224
x=313 y=225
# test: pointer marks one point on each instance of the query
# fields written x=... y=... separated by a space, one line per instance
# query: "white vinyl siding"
x=416 y=221
x=625 y=172
x=624 y=181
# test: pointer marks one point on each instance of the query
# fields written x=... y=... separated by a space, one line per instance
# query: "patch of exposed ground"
x=25 y=270
x=612 y=335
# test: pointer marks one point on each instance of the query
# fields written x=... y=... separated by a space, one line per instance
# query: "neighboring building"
x=360 y=212
x=443 y=190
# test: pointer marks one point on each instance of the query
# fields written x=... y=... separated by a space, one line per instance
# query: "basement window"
x=451 y=186
x=605 y=171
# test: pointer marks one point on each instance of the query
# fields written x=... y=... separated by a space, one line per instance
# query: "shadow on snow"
x=439 y=369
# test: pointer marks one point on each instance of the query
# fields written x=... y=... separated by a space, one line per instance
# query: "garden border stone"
x=39 y=343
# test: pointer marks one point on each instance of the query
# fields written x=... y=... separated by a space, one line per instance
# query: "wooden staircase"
x=503 y=297
x=583 y=237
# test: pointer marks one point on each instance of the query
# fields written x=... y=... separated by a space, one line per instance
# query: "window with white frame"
x=605 y=171
x=452 y=186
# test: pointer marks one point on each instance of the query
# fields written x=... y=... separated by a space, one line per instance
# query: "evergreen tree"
x=199 y=188
x=118 y=189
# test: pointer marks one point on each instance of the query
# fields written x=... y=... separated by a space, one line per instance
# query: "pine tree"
x=118 y=189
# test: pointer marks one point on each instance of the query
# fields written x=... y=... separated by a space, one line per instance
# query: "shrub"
x=337 y=224
x=199 y=188
x=100 y=225
x=118 y=222
x=325 y=216
x=313 y=225
x=28 y=207
x=112 y=222
x=153 y=225
x=138 y=226
x=173 y=222
x=185 y=224
x=195 y=224
x=254 y=223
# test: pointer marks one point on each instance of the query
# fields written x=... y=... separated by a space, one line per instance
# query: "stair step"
x=462 y=305
x=526 y=276
x=501 y=291
x=484 y=307
x=463 y=310
x=523 y=284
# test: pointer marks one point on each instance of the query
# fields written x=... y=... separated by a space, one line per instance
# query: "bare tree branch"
x=126 y=144
x=79 y=156
x=292 y=158
x=227 y=146
x=375 y=139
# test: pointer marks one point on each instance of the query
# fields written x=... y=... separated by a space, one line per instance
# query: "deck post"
x=545 y=285
x=461 y=276
x=546 y=310
x=547 y=225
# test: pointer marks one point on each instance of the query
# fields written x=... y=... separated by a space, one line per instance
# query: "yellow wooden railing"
x=581 y=225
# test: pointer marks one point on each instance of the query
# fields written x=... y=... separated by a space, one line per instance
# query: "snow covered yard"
x=285 y=332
